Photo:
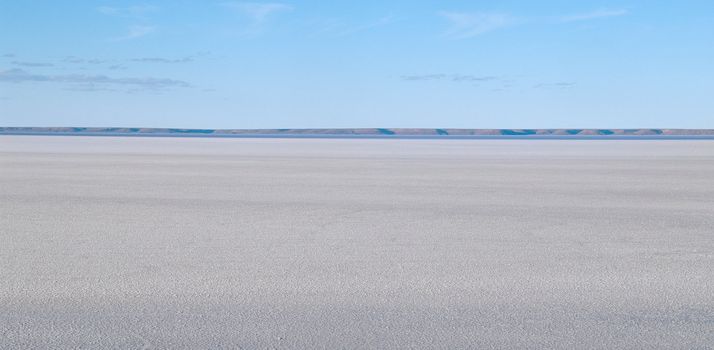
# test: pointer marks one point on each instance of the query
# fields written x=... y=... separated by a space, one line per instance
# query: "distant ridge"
x=355 y=132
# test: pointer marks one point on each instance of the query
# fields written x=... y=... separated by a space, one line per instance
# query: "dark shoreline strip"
x=371 y=136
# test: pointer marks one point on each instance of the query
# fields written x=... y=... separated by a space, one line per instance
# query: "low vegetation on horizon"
x=361 y=131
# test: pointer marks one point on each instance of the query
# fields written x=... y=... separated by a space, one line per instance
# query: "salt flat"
x=168 y=243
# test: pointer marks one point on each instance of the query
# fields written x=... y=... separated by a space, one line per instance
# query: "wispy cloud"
x=467 y=78
x=465 y=25
x=382 y=21
x=120 y=63
x=162 y=60
x=32 y=64
x=338 y=27
x=79 y=60
x=424 y=77
x=602 y=13
x=107 y=10
x=148 y=83
x=136 y=11
x=558 y=85
x=89 y=87
x=8 y=55
x=137 y=31
x=258 y=11
x=450 y=77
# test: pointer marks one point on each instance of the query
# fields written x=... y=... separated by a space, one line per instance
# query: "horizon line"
x=367 y=132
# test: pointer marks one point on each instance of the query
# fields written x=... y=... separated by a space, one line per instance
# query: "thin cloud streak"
x=383 y=21
x=603 y=13
x=464 y=25
x=138 y=11
x=162 y=60
x=79 y=60
x=258 y=12
x=450 y=77
x=137 y=31
x=149 y=83
x=32 y=64
x=558 y=85
x=424 y=77
x=116 y=63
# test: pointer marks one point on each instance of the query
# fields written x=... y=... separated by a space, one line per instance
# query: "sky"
x=344 y=64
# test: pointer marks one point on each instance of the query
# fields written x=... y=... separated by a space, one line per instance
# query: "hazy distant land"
x=382 y=132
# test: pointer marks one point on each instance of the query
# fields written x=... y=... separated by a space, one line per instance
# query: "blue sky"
x=293 y=64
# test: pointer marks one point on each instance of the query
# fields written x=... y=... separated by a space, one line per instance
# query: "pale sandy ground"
x=174 y=243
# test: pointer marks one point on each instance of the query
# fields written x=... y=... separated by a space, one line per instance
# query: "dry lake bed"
x=201 y=243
